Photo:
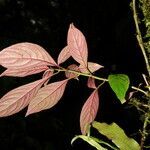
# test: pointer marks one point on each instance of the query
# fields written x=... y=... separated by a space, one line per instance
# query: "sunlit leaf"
x=91 y=83
x=64 y=55
x=25 y=55
x=47 y=97
x=92 y=67
x=119 y=84
x=89 y=111
x=19 y=98
x=89 y=140
x=116 y=135
x=77 y=45
x=72 y=67
x=22 y=72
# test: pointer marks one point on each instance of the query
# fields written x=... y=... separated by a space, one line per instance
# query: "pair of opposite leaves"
x=25 y=59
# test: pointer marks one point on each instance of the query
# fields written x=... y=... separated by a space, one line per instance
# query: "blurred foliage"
x=145 y=8
x=116 y=135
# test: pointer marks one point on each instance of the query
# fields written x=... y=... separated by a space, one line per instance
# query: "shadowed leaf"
x=116 y=135
x=92 y=67
x=89 y=140
x=91 y=83
x=73 y=67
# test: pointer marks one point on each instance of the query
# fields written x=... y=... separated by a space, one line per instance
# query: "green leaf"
x=105 y=143
x=117 y=135
x=89 y=140
x=119 y=84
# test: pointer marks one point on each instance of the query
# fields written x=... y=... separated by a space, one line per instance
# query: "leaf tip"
x=27 y=114
x=72 y=25
x=1 y=75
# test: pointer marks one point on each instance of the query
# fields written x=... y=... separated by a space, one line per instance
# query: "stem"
x=146 y=121
x=61 y=69
x=140 y=90
x=144 y=132
x=141 y=44
x=139 y=37
x=80 y=73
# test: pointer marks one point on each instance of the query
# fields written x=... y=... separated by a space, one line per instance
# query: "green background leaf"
x=119 y=84
x=89 y=140
x=117 y=135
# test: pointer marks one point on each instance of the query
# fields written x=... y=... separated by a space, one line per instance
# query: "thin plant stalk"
x=139 y=37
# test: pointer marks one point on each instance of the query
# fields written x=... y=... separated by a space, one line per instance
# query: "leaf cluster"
x=24 y=59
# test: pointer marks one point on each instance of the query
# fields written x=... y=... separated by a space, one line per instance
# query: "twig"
x=144 y=132
x=94 y=77
x=81 y=74
x=140 y=90
x=141 y=44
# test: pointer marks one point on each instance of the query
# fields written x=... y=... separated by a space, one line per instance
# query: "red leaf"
x=77 y=45
x=73 y=67
x=47 y=97
x=25 y=55
x=91 y=83
x=48 y=73
x=89 y=111
x=22 y=72
x=92 y=67
x=64 y=55
x=19 y=98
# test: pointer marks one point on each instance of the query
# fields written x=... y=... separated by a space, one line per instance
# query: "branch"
x=61 y=69
x=144 y=131
x=140 y=90
x=80 y=74
x=139 y=37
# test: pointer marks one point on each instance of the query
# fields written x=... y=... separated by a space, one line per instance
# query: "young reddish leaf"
x=89 y=111
x=77 y=45
x=129 y=96
x=64 y=55
x=19 y=98
x=25 y=55
x=91 y=83
x=48 y=73
x=92 y=67
x=47 y=97
x=22 y=72
x=73 y=67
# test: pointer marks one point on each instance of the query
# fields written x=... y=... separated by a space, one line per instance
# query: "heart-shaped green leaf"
x=119 y=84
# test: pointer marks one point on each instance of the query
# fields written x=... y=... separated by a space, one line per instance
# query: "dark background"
x=110 y=32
